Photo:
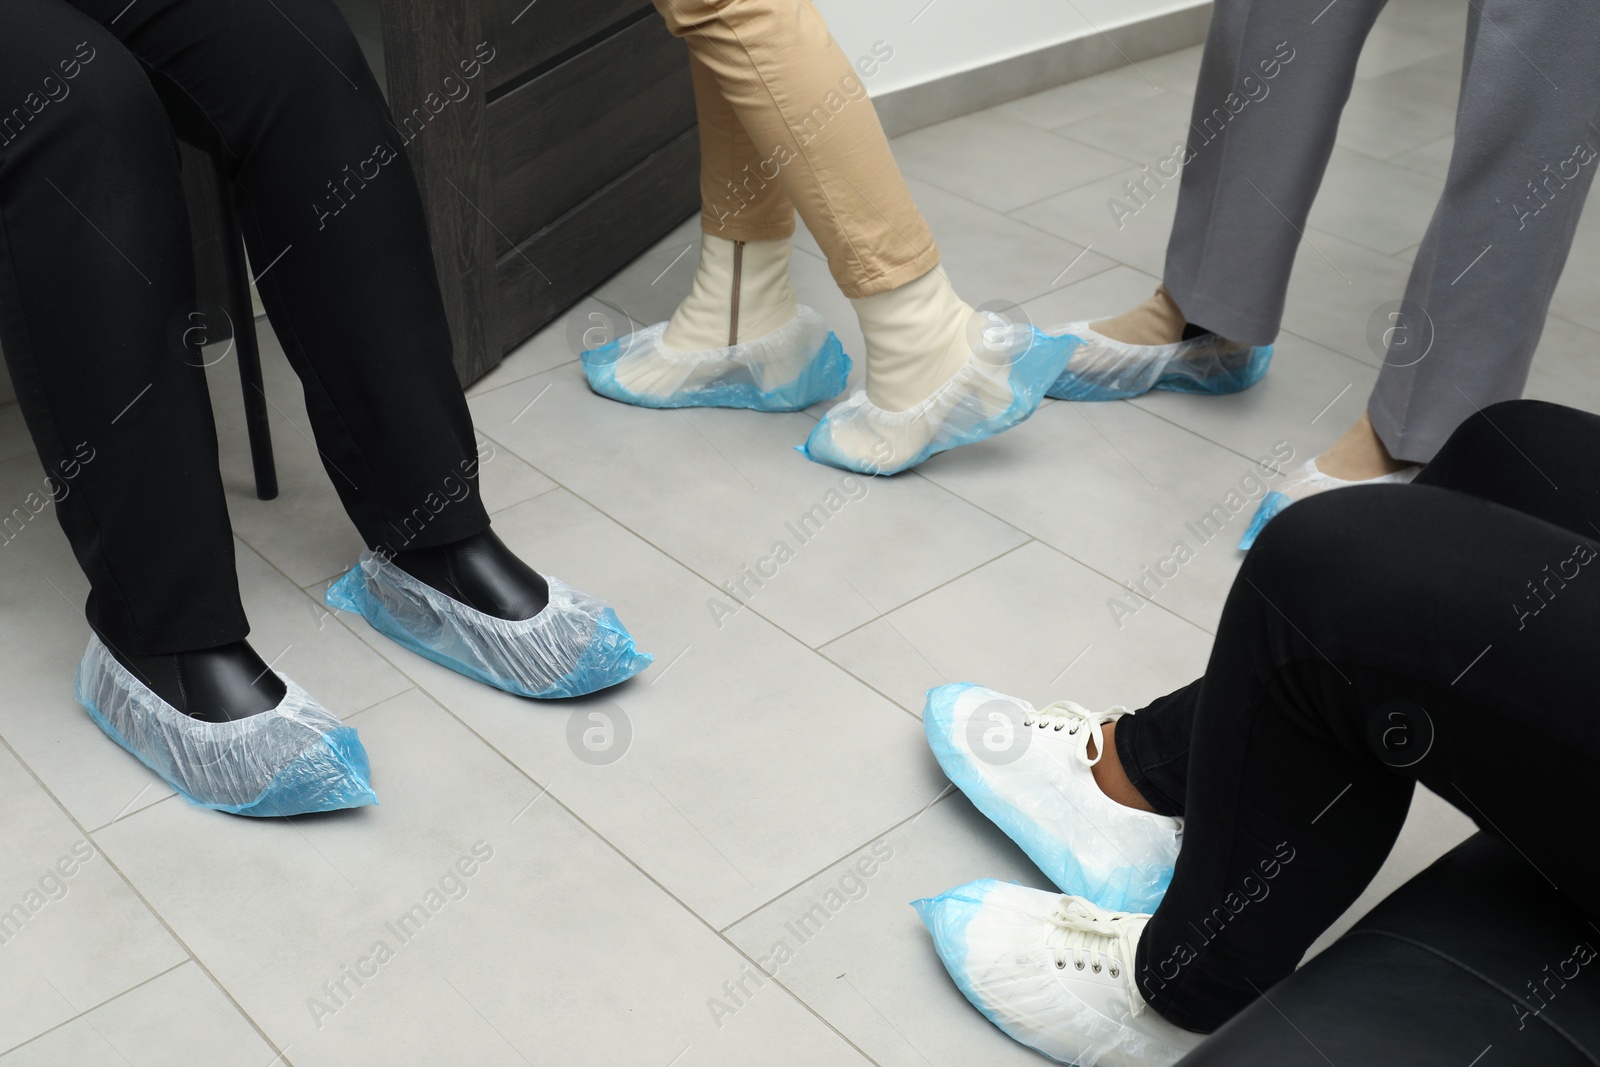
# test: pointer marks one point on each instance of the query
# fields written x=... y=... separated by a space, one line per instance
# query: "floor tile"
x=744 y=760
x=180 y=1017
x=1146 y=131
x=1034 y=624
x=508 y=929
x=1431 y=160
x=720 y=490
x=998 y=161
x=72 y=933
x=1372 y=203
x=1075 y=101
x=1336 y=289
x=1126 y=217
x=1399 y=111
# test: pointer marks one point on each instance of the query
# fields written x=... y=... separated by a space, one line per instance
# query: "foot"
x=1357 y=458
x=1359 y=454
x=222 y=684
x=939 y=375
x=290 y=758
x=740 y=339
x=1054 y=972
x=480 y=572
x=1154 y=347
x=1033 y=773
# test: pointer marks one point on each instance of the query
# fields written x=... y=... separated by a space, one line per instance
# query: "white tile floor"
x=766 y=755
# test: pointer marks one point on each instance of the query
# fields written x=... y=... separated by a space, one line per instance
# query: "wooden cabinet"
x=554 y=141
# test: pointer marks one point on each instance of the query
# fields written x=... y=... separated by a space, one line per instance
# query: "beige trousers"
x=786 y=124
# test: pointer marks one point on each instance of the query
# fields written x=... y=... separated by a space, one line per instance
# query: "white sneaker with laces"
x=1029 y=770
x=1054 y=972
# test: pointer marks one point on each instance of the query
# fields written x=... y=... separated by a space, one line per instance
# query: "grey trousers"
x=1525 y=153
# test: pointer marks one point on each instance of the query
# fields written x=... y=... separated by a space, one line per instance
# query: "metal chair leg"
x=244 y=340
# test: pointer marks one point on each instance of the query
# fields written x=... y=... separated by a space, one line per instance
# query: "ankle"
x=918 y=336
x=1111 y=778
x=1157 y=321
x=1359 y=454
x=741 y=291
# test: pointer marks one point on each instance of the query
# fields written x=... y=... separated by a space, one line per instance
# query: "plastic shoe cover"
x=1053 y=972
x=1029 y=772
x=1107 y=369
x=576 y=645
x=1309 y=481
x=294 y=759
x=789 y=369
x=1001 y=385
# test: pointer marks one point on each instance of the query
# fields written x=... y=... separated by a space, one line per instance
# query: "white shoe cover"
x=1103 y=368
x=1029 y=771
x=1309 y=481
x=789 y=369
x=576 y=645
x=1000 y=385
x=1054 y=972
x=294 y=759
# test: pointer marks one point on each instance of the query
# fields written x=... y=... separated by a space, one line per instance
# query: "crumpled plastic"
x=1309 y=481
x=294 y=759
x=797 y=365
x=994 y=940
x=1105 y=369
x=576 y=645
x=999 y=386
x=1087 y=844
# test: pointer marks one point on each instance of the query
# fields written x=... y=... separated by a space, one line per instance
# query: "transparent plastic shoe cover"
x=1309 y=481
x=1012 y=952
x=576 y=645
x=1105 y=369
x=1017 y=768
x=294 y=759
x=1001 y=385
x=789 y=369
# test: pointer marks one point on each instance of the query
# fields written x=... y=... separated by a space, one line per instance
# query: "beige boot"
x=741 y=292
x=1157 y=321
x=918 y=337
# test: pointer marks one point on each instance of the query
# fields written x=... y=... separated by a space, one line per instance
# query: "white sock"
x=741 y=292
x=918 y=337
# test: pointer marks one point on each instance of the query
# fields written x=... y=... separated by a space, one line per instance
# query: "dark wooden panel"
x=558 y=138
x=598 y=238
x=527 y=36
x=424 y=43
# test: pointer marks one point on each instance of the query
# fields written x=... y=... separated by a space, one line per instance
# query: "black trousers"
x=97 y=294
x=1442 y=632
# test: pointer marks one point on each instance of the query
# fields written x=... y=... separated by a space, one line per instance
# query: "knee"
x=1315 y=549
x=1516 y=419
x=104 y=113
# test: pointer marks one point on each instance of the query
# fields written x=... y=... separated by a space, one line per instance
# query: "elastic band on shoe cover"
x=294 y=759
x=1001 y=384
x=789 y=369
x=576 y=645
x=1309 y=480
x=1103 y=368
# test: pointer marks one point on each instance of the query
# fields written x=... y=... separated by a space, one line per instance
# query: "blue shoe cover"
x=294 y=759
x=1028 y=772
x=576 y=645
x=1001 y=385
x=1309 y=481
x=789 y=369
x=1053 y=973
x=1105 y=369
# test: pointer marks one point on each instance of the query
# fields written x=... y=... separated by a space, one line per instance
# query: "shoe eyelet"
x=1078 y=964
x=1060 y=726
x=1061 y=965
x=1096 y=967
x=1115 y=973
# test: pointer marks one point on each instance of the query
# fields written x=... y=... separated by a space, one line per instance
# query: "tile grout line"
x=180 y=942
x=95 y=1007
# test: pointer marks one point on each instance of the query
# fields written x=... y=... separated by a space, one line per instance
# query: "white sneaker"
x=1054 y=972
x=1030 y=772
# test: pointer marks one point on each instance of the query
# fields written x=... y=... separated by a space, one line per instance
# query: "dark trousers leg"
x=96 y=276
x=333 y=222
x=1343 y=674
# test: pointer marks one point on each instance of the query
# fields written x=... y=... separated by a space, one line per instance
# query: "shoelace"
x=1089 y=936
x=1079 y=722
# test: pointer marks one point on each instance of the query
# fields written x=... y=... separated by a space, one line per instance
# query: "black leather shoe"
x=219 y=684
x=481 y=572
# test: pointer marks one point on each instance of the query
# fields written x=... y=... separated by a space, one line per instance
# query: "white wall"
x=950 y=36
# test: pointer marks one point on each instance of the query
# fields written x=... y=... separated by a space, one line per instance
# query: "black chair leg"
x=242 y=312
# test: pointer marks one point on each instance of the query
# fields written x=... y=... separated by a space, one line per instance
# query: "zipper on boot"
x=733 y=315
